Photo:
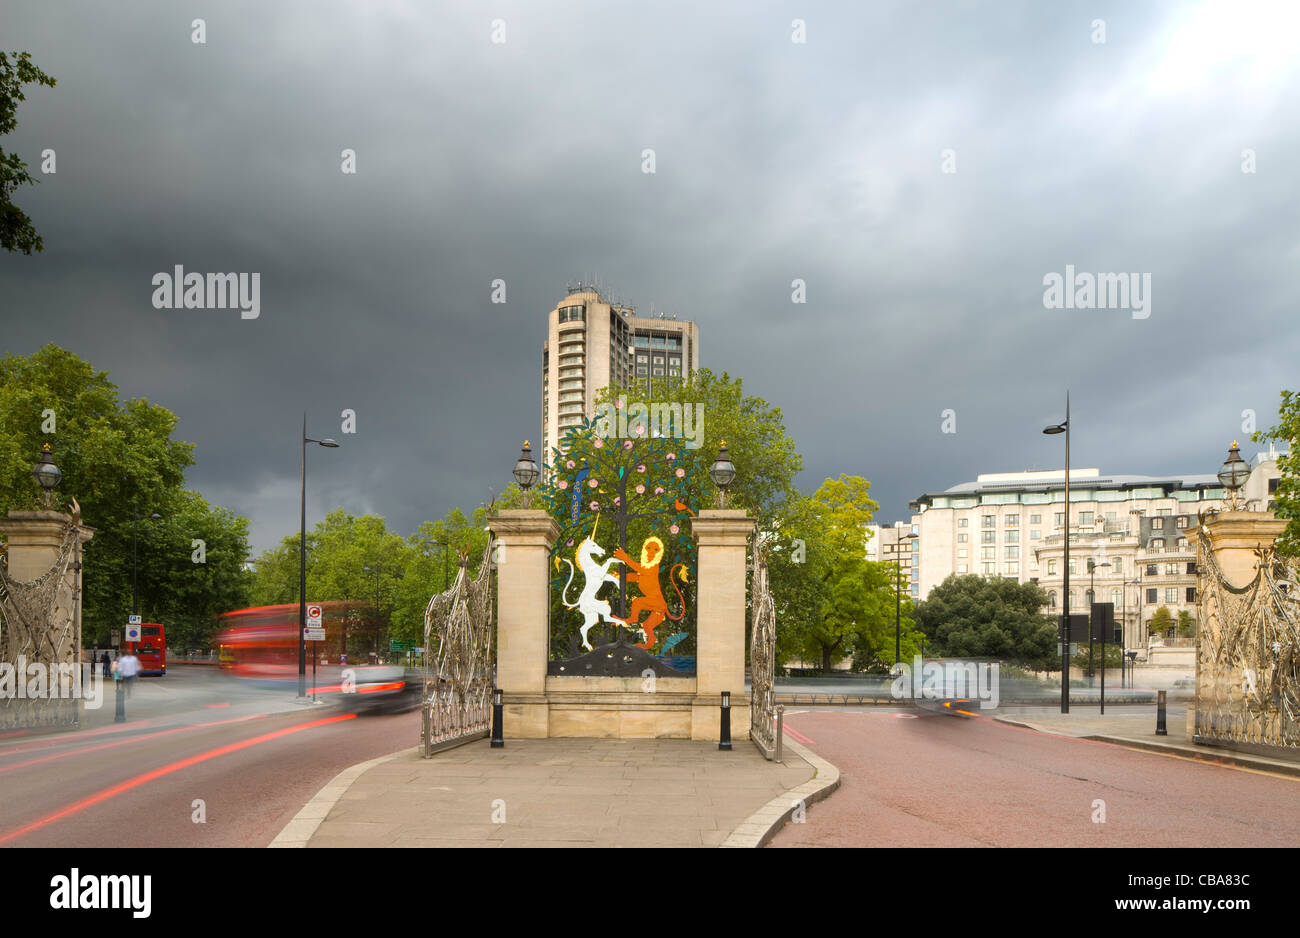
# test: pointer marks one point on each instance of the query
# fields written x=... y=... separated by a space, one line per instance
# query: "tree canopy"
x=969 y=616
x=16 y=230
x=1287 y=498
x=119 y=460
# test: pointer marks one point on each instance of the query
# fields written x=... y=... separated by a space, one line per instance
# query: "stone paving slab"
x=559 y=793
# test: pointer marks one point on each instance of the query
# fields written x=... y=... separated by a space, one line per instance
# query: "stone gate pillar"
x=525 y=538
x=33 y=540
x=1233 y=537
x=722 y=537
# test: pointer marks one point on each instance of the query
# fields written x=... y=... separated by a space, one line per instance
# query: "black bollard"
x=120 y=713
x=1160 y=714
x=724 y=731
x=498 y=708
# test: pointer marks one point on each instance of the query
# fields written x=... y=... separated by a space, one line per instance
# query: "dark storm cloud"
x=775 y=161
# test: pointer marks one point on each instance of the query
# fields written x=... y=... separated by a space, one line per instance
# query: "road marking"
x=150 y=776
x=1220 y=765
x=129 y=739
x=799 y=736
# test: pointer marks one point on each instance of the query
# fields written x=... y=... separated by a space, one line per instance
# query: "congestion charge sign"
x=313 y=632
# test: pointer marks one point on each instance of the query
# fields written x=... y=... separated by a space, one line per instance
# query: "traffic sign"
x=396 y=645
x=313 y=615
x=313 y=635
x=116 y=639
x=133 y=620
x=133 y=633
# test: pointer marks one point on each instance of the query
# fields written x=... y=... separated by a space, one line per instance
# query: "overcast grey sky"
x=775 y=160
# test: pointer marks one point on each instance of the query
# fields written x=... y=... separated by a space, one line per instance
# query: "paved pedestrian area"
x=550 y=793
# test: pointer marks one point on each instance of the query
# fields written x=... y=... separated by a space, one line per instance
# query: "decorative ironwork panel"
x=1248 y=675
x=762 y=662
x=40 y=648
x=459 y=675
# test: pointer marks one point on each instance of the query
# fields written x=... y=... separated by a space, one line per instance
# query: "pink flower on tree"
x=595 y=506
x=671 y=456
x=627 y=444
x=640 y=489
x=593 y=482
x=640 y=467
x=680 y=473
x=562 y=484
x=600 y=444
x=659 y=489
x=673 y=529
x=570 y=464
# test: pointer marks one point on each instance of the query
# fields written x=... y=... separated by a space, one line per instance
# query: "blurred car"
x=380 y=689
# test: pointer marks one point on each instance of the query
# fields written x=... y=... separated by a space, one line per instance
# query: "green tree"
x=764 y=453
x=1162 y=621
x=1287 y=497
x=118 y=460
x=968 y=616
x=16 y=230
x=1186 y=624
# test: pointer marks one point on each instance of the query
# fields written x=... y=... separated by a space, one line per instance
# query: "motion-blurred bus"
x=262 y=642
x=152 y=649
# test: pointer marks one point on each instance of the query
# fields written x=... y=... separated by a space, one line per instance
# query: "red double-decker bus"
x=152 y=649
x=262 y=641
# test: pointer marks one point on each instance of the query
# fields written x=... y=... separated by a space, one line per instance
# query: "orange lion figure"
x=646 y=576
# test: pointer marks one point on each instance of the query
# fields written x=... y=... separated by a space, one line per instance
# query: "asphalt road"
x=249 y=753
x=912 y=779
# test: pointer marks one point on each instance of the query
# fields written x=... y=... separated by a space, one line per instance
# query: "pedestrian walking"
x=103 y=662
x=128 y=666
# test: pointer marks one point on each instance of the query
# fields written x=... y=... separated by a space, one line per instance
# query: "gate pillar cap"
x=517 y=521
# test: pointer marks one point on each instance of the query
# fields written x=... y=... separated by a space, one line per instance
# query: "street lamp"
x=302 y=560
x=526 y=472
x=723 y=471
x=1233 y=474
x=1064 y=427
x=898 y=592
x=46 y=474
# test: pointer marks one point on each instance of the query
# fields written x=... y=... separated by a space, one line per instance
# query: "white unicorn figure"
x=595 y=575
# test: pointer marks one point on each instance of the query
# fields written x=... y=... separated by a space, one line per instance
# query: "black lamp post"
x=722 y=472
x=46 y=474
x=302 y=561
x=1064 y=427
x=526 y=472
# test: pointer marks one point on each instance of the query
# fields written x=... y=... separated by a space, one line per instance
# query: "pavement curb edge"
x=761 y=826
x=303 y=827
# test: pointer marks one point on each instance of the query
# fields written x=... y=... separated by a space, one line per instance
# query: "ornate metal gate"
x=459 y=676
x=1248 y=673
x=762 y=662
x=39 y=627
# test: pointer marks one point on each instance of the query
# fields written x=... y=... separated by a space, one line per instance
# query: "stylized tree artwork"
x=626 y=491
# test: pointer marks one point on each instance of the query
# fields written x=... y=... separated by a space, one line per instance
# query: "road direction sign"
x=313 y=614
x=396 y=645
x=313 y=635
